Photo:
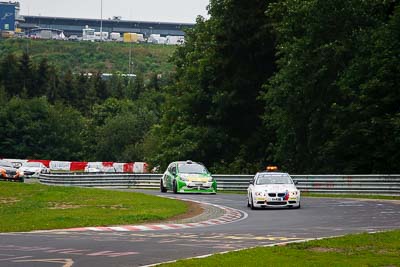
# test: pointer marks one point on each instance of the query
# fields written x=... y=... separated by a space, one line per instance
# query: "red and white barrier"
x=43 y=161
x=83 y=166
x=60 y=165
x=77 y=166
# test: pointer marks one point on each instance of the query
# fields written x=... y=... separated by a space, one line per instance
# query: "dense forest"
x=312 y=86
x=48 y=113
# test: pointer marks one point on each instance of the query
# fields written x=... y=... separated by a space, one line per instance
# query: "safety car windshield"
x=274 y=179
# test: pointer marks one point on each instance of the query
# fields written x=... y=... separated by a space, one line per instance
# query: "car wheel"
x=162 y=188
x=252 y=202
x=175 y=187
x=298 y=207
x=248 y=201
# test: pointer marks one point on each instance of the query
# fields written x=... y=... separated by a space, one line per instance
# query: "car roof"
x=272 y=173
x=187 y=161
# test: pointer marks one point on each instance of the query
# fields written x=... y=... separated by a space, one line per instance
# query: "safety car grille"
x=276 y=194
x=276 y=203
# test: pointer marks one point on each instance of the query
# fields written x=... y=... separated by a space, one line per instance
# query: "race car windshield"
x=275 y=179
x=191 y=168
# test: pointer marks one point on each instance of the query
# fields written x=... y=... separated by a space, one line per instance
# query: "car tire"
x=162 y=188
x=298 y=207
x=248 y=201
x=252 y=203
x=175 y=187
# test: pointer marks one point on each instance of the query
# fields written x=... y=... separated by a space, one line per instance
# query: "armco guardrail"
x=359 y=184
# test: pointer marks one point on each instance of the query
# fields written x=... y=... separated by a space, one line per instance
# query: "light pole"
x=101 y=20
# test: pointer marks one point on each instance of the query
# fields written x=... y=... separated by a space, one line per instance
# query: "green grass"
x=25 y=207
x=380 y=249
x=106 y=57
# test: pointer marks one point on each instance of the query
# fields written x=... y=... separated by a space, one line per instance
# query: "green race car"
x=187 y=177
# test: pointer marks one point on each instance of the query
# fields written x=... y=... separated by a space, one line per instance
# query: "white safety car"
x=34 y=168
x=272 y=189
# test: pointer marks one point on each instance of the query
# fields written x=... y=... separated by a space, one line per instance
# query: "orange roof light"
x=272 y=168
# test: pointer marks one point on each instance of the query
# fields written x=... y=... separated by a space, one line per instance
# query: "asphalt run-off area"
x=227 y=224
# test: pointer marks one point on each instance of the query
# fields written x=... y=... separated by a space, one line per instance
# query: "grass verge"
x=380 y=249
x=25 y=207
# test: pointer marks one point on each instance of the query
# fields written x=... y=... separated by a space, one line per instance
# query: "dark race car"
x=8 y=172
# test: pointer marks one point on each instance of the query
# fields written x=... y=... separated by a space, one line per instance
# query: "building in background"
x=9 y=18
x=47 y=34
x=74 y=26
x=113 y=29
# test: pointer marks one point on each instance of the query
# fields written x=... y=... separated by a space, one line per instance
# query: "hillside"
x=105 y=57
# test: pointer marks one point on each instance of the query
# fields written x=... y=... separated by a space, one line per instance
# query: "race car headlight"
x=185 y=179
x=293 y=194
x=260 y=194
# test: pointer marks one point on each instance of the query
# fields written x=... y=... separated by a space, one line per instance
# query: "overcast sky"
x=143 y=10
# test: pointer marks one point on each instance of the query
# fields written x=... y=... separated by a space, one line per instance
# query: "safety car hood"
x=277 y=187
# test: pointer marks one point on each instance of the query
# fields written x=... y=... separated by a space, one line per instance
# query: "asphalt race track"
x=318 y=217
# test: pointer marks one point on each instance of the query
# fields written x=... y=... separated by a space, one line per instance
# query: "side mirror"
x=174 y=172
x=296 y=182
x=251 y=182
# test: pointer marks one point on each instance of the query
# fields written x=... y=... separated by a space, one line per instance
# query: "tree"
x=32 y=128
x=101 y=87
x=135 y=87
x=121 y=136
x=67 y=89
x=318 y=41
x=9 y=75
x=42 y=79
x=26 y=74
x=215 y=93
x=366 y=119
x=53 y=93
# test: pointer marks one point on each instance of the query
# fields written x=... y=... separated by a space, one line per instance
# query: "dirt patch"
x=9 y=200
x=321 y=249
x=194 y=209
x=113 y=207
x=63 y=206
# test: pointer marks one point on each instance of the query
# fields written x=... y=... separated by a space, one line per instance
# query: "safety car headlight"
x=293 y=193
x=260 y=194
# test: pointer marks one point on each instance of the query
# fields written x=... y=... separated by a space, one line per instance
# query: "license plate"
x=276 y=199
